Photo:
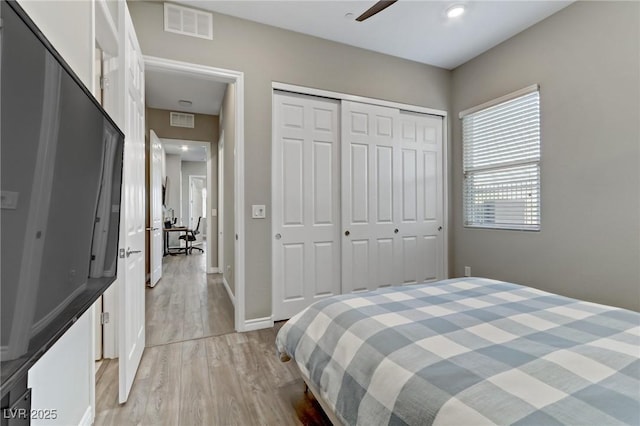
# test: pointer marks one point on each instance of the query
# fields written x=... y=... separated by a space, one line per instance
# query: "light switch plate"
x=258 y=211
x=214 y=212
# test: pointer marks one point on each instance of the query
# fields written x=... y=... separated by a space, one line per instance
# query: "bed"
x=468 y=351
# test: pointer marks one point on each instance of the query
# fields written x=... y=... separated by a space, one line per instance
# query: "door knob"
x=439 y=228
x=395 y=231
x=347 y=233
x=130 y=252
x=278 y=236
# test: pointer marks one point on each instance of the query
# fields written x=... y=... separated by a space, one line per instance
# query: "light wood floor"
x=228 y=379
x=187 y=303
x=235 y=379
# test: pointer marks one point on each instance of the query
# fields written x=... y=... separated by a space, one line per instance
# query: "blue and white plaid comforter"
x=469 y=352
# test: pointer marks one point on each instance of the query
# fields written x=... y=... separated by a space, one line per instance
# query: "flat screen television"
x=61 y=173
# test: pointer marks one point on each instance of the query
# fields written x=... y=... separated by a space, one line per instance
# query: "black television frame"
x=13 y=388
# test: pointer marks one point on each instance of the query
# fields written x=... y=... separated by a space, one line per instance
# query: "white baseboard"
x=229 y=292
x=86 y=419
x=214 y=270
x=258 y=323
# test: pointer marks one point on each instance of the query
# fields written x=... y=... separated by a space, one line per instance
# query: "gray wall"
x=267 y=54
x=228 y=135
x=205 y=127
x=586 y=60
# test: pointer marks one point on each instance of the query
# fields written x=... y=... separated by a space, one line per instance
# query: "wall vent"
x=187 y=21
x=180 y=119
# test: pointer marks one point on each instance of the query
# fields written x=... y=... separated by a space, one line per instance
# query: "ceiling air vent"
x=187 y=21
x=180 y=119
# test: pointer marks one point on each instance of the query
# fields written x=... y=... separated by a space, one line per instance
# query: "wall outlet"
x=258 y=211
x=467 y=271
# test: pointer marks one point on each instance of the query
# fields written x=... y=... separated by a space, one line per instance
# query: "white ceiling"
x=164 y=90
x=415 y=30
x=196 y=151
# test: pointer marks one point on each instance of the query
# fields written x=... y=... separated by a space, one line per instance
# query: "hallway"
x=187 y=303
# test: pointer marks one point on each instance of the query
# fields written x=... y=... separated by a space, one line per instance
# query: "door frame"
x=303 y=90
x=220 y=210
x=237 y=79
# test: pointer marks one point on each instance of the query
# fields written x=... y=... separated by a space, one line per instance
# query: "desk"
x=166 y=240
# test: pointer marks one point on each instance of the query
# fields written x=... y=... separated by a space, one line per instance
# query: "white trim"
x=220 y=201
x=236 y=78
x=258 y=324
x=86 y=418
x=347 y=97
x=501 y=99
x=445 y=194
x=239 y=207
x=44 y=321
x=213 y=270
x=229 y=292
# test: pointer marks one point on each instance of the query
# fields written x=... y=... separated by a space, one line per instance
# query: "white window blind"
x=501 y=162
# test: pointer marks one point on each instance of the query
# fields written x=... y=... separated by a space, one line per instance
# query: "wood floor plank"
x=195 y=386
x=163 y=406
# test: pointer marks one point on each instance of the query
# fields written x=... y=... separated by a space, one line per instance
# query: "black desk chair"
x=190 y=237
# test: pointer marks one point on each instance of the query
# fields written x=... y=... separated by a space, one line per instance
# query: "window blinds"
x=501 y=163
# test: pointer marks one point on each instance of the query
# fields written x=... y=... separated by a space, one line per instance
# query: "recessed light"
x=455 y=11
x=185 y=148
x=185 y=103
x=348 y=15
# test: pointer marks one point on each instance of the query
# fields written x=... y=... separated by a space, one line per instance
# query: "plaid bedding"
x=469 y=352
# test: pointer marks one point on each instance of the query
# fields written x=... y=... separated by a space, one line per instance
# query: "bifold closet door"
x=370 y=184
x=392 y=197
x=420 y=237
x=306 y=202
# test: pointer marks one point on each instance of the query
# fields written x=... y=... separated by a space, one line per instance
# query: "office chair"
x=190 y=237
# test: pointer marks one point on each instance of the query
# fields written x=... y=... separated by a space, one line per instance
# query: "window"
x=501 y=162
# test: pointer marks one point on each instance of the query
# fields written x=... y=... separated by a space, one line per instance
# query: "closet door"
x=419 y=242
x=370 y=183
x=306 y=202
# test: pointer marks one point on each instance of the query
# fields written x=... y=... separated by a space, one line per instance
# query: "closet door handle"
x=278 y=236
x=395 y=231
x=347 y=233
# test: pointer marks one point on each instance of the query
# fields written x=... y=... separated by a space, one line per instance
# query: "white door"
x=370 y=180
x=132 y=240
x=306 y=202
x=156 y=237
x=419 y=242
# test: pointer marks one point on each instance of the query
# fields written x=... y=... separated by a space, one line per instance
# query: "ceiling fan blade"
x=378 y=7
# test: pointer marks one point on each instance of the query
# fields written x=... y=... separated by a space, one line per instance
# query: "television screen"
x=61 y=170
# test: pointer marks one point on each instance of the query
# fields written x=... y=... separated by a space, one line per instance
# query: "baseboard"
x=86 y=419
x=258 y=324
x=229 y=292
x=214 y=270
